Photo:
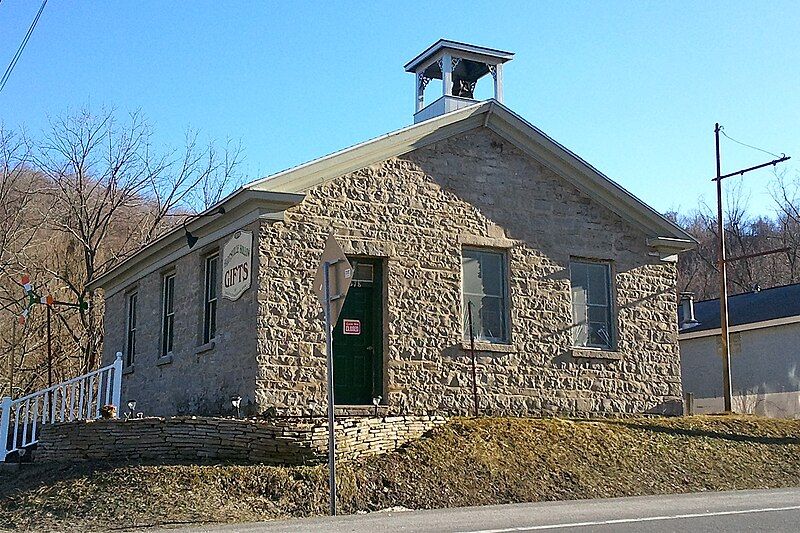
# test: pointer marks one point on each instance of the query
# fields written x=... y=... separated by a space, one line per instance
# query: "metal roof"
x=747 y=308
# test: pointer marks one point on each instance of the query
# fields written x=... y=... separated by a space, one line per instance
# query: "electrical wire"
x=21 y=47
x=722 y=130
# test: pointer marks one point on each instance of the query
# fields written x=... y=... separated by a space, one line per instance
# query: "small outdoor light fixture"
x=236 y=401
x=376 y=402
x=312 y=407
x=191 y=240
x=131 y=408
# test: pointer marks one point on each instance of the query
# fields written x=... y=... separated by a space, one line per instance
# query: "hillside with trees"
x=74 y=202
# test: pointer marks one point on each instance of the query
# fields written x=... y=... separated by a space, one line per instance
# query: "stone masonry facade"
x=416 y=213
x=191 y=439
x=198 y=378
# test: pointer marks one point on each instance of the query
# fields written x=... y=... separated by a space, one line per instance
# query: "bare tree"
x=698 y=270
x=74 y=203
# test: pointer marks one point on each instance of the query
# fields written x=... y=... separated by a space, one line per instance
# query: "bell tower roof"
x=464 y=50
x=459 y=66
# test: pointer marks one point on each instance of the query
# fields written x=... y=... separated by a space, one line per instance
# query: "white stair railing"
x=77 y=399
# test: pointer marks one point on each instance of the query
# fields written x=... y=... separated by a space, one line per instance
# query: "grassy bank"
x=466 y=462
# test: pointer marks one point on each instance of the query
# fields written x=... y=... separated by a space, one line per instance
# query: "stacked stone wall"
x=192 y=439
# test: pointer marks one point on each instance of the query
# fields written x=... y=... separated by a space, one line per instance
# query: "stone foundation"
x=182 y=439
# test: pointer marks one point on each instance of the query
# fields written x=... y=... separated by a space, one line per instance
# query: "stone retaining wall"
x=179 y=439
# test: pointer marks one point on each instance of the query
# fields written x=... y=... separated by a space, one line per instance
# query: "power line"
x=722 y=131
x=21 y=47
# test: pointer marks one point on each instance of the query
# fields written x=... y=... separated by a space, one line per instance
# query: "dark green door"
x=357 y=338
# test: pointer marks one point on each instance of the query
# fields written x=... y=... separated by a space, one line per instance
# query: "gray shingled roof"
x=747 y=308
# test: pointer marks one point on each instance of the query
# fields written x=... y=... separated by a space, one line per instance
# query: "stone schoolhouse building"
x=570 y=278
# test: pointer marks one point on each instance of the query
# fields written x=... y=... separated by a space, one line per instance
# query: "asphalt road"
x=756 y=510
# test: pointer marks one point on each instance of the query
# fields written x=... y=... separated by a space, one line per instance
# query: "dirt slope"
x=465 y=462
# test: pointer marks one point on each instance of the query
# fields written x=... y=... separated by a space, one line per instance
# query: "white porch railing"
x=77 y=399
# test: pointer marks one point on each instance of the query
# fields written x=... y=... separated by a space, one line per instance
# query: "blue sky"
x=632 y=87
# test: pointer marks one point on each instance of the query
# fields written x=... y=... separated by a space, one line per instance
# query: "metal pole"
x=49 y=349
x=474 y=372
x=723 y=288
x=11 y=354
x=331 y=435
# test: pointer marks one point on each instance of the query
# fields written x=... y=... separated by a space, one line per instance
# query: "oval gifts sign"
x=237 y=256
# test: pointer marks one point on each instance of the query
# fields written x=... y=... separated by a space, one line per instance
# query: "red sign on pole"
x=351 y=327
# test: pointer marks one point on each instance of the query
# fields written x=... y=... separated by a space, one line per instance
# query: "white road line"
x=632 y=520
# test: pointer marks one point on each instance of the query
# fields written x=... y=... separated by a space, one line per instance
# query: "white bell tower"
x=459 y=66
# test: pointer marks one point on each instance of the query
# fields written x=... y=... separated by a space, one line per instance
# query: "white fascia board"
x=741 y=327
x=241 y=208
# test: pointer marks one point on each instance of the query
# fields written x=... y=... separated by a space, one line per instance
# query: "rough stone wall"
x=416 y=212
x=198 y=379
x=192 y=439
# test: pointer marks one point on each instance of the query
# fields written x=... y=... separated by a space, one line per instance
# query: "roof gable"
x=663 y=234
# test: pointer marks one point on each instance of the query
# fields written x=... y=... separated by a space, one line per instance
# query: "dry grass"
x=465 y=462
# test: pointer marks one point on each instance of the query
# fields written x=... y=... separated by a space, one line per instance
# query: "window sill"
x=164 y=360
x=207 y=347
x=596 y=353
x=128 y=370
x=482 y=346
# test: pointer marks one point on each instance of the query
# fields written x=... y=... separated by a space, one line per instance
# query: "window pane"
x=170 y=294
x=212 y=328
x=484 y=285
x=599 y=335
x=131 y=344
x=211 y=278
x=578 y=296
x=598 y=289
x=168 y=306
x=492 y=273
x=471 y=274
x=591 y=304
x=492 y=319
x=598 y=314
x=132 y=312
x=210 y=304
x=580 y=333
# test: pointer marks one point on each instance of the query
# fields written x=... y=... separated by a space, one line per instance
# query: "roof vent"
x=459 y=66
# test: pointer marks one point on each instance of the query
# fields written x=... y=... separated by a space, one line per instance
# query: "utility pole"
x=723 y=270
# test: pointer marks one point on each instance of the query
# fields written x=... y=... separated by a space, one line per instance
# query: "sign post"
x=331 y=284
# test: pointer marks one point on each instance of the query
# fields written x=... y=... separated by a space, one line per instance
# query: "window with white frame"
x=130 y=341
x=484 y=287
x=592 y=304
x=210 y=307
x=167 y=314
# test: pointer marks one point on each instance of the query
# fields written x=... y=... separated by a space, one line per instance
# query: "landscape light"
x=236 y=401
x=376 y=402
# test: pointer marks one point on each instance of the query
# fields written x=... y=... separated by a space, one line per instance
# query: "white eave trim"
x=741 y=327
x=241 y=208
x=310 y=174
